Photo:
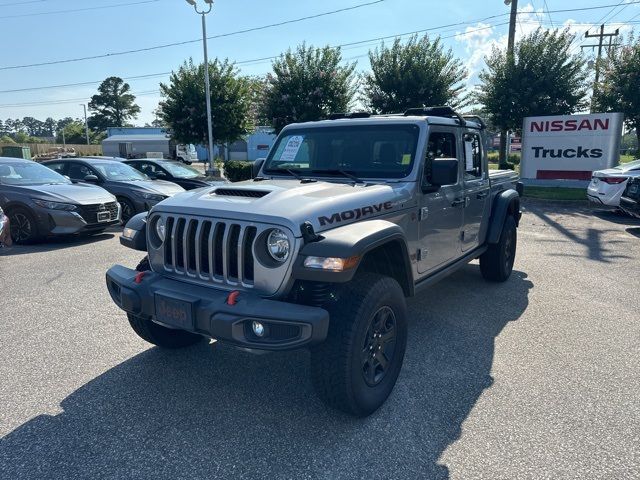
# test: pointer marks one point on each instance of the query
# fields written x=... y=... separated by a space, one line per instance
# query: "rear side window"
x=440 y=145
x=58 y=167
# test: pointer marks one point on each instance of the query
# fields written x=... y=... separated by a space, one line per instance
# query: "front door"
x=441 y=212
x=476 y=192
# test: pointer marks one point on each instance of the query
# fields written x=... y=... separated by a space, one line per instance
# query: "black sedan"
x=135 y=191
x=176 y=172
x=630 y=200
x=41 y=203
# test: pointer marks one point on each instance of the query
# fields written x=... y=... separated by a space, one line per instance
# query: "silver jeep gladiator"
x=344 y=220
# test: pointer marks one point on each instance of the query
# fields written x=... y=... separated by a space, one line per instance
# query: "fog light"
x=258 y=328
x=129 y=233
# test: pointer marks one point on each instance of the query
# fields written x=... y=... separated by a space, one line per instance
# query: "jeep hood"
x=290 y=203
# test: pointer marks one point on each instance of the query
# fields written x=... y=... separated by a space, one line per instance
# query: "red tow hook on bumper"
x=138 y=278
x=232 y=298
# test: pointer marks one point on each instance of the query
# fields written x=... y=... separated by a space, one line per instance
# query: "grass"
x=556 y=193
x=626 y=158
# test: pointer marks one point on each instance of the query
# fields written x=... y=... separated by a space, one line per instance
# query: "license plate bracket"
x=174 y=312
x=104 y=216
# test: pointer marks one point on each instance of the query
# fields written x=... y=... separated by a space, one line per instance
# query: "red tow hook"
x=139 y=276
x=232 y=298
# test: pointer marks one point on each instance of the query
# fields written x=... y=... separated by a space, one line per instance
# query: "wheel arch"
x=378 y=245
x=505 y=203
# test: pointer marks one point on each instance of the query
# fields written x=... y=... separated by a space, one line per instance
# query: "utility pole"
x=504 y=148
x=600 y=36
x=86 y=125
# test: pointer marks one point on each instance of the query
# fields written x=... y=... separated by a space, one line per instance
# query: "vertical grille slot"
x=218 y=248
x=178 y=242
x=190 y=245
x=204 y=250
x=168 y=244
x=247 y=252
x=234 y=238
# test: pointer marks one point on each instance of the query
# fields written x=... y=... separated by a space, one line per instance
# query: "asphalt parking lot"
x=535 y=378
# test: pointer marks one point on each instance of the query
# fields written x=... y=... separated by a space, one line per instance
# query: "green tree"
x=308 y=84
x=619 y=90
x=418 y=73
x=74 y=133
x=113 y=105
x=183 y=106
x=542 y=77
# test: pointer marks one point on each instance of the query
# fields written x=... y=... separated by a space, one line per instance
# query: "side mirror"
x=91 y=179
x=444 y=171
x=159 y=175
x=257 y=165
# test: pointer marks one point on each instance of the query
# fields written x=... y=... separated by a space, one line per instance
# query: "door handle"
x=482 y=195
x=458 y=202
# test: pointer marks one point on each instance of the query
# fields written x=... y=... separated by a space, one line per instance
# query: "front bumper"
x=288 y=326
x=60 y=222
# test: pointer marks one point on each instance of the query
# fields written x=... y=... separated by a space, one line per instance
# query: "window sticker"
x=406 y=159
x=291 y=149
x=468 y=156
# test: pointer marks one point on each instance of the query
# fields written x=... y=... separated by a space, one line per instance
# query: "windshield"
x=625 y=167
x=181 y=171
x=119 y=171
x=28 y=173
x=367 y=151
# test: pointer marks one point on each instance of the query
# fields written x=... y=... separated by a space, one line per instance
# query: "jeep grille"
x=213 y=251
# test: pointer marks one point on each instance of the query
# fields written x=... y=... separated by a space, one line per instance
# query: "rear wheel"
x=24 y=228
x=357 y=366
x=496 y=263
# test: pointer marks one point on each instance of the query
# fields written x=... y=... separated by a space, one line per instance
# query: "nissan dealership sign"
x=570 y=146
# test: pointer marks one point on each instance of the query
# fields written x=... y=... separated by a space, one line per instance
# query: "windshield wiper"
x=345 y=173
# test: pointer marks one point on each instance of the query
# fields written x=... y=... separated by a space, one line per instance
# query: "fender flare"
x=137 y=240
x=354 y=240
x=501 y=206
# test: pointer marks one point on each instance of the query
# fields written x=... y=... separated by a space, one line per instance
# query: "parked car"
x=40 y=202
x=134 y=190
x=630 y=200
x=607 y=185
x=5 y=234
x=176 y=172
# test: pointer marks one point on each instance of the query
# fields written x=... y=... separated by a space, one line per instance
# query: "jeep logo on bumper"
x=355 y=214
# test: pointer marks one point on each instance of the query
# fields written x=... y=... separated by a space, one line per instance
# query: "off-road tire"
x=157 y=334
x=496 y=264
x=337 y=371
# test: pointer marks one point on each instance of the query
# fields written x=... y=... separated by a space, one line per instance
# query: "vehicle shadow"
x=59 y=243
x=221 y=413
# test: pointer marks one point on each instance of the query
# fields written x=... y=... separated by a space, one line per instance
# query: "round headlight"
x=160 y=228
x=278 y=245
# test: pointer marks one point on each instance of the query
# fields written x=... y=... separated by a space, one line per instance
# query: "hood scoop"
x=239 y=192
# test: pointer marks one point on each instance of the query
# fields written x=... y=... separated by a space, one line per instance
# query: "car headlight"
x=161 y=228
x=156 y=197
x=278 y=245
x=55 y=205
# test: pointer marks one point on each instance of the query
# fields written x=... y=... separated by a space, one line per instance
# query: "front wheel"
x=128 y=210
x=357 y=366
x=23 y=226
x=496 y=263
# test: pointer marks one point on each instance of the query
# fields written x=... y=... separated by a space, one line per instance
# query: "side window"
x=58 y=167
x=78 y=171
x=145 y=167
x=472 y=156
x=440 y=145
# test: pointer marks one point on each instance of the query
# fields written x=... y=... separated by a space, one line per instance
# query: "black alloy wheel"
x=379 y=346
x=23 y=227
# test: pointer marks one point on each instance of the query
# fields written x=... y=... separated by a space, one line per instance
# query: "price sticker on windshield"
x=291 y=149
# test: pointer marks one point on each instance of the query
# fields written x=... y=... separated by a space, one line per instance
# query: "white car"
x=606 y=186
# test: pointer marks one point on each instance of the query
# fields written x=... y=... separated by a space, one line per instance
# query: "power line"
x=67 y=100
x=24 y=2
x=74 y=10
x=166 y=45
x=548 y=13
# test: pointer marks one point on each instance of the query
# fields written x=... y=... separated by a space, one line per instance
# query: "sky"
x=41 y=31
